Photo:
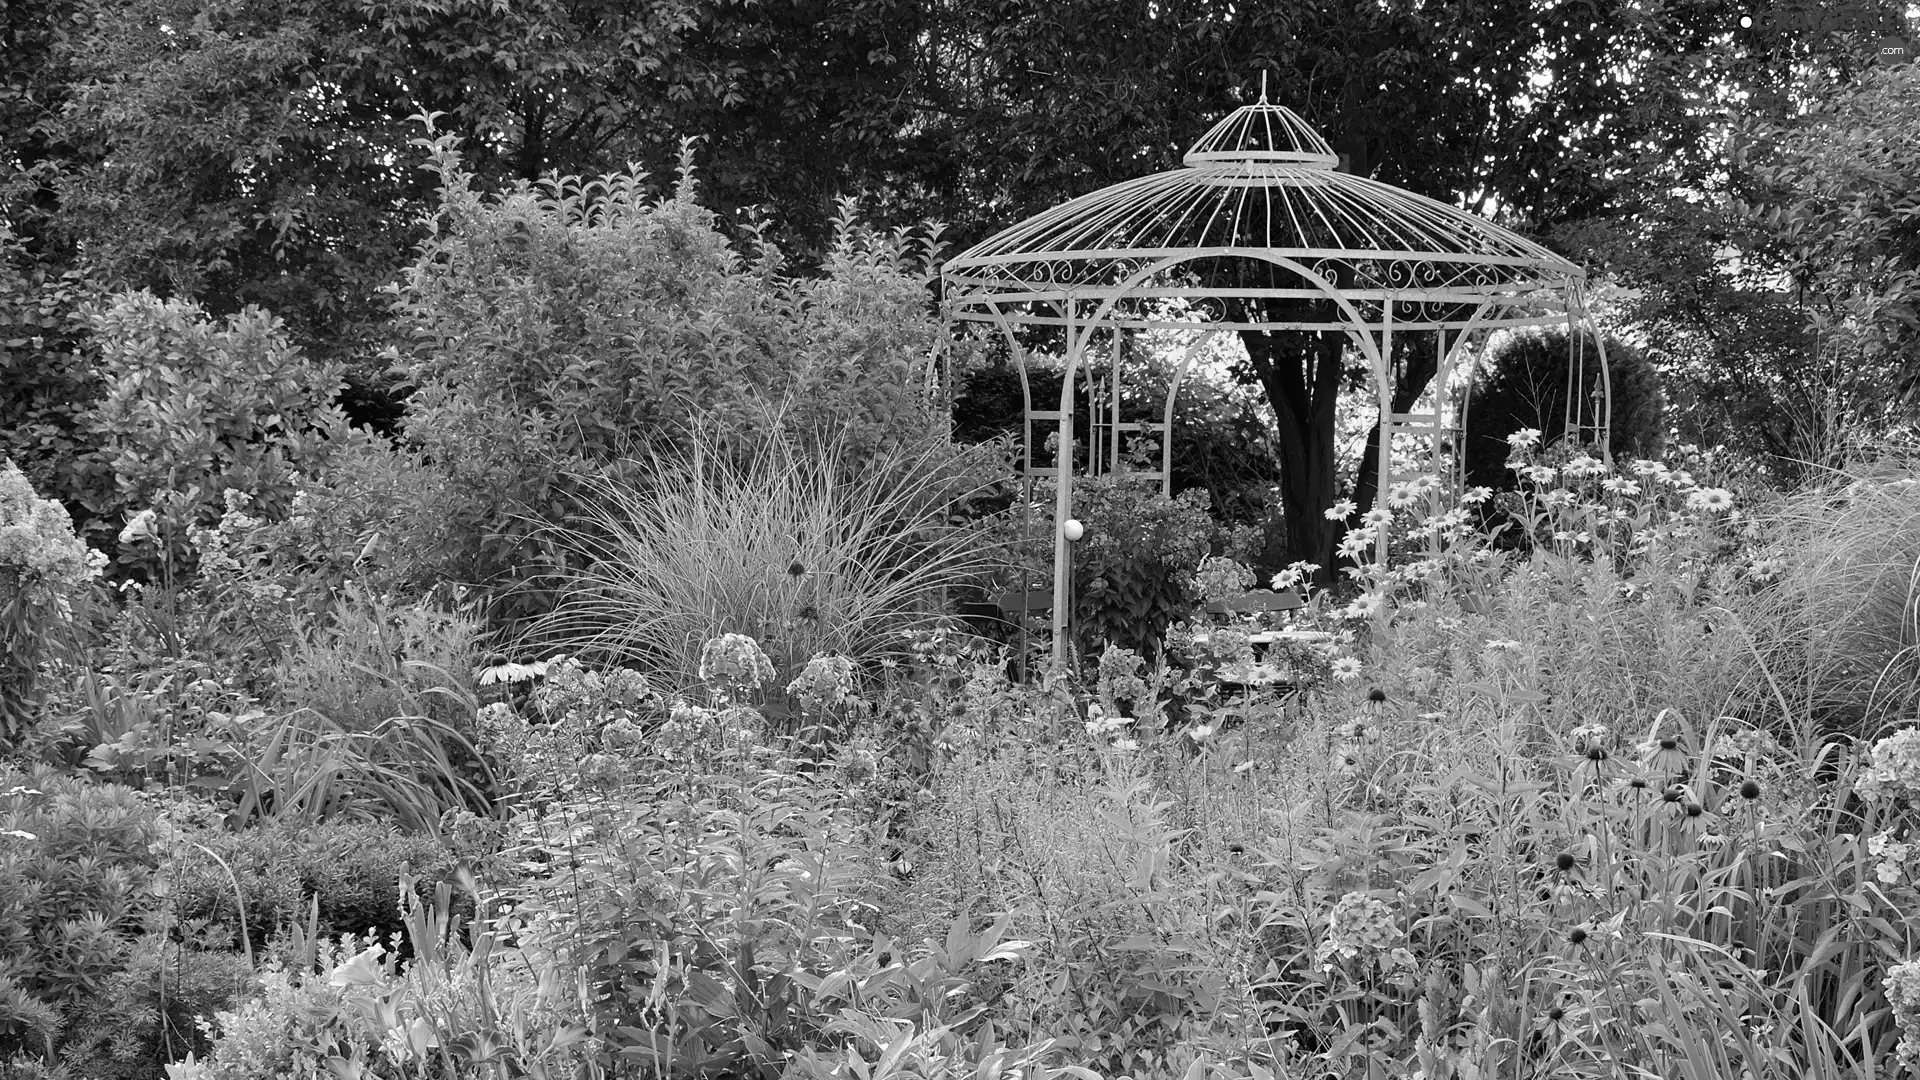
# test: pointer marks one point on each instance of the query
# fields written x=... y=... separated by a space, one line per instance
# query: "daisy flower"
x=1524 y=439
x=1355 y=543
x=1341 y=510
x=1401 y=496
x=1585 y=465
x=1346 y=669
x=1476 y=495
x=1364 y=606
x=1620 y=485
x=1712 y=500
x=1294 y=574
x=1378 y=516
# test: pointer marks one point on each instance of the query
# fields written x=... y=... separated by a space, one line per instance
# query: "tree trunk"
x=1301 y=374
x=1416 y=352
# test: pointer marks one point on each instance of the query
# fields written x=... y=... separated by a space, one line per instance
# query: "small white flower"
x=1711 y=500
x=1125 y=744
x=1294 y=575
x=1585 y=465
x=1378 y=516
x=1341 y=510
x=1355 y=543
x=1346 y=669
x=1524 y=439
x=1503 y=645
x=1364 y=606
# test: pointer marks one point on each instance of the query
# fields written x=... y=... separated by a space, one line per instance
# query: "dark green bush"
x=1132 y=573
x=1524 y=383
x=352 y=867
x=146 y=1014
x=75 y=870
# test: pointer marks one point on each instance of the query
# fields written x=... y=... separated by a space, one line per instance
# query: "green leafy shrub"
x=192 y=407
x=76 y=860
x=556 y=326
x=1133 y=571
x=351 y=868
x=47 y=380
x=152 y=1011
x=1524 y=382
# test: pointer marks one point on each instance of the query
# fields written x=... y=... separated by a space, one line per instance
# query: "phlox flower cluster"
x=576 y=696
x=38 y=547
x=1230 y=645
x=1220 y=578
x=735 y=662
x=1119 y=676
x=1893 y=857
x=221 y=548
x=1364 y=927
x=1895 y=768
x=824 y=682
x=1589 y=737
x=1902 y=984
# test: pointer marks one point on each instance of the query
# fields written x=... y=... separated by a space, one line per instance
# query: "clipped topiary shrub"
x=352 y=867
x=1524 y=382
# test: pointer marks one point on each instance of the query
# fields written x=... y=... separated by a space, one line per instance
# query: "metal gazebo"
x=1259 y=213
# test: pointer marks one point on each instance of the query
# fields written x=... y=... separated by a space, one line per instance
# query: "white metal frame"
x=1260 y=191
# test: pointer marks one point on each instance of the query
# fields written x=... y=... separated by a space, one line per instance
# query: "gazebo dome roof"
x=1261 y=183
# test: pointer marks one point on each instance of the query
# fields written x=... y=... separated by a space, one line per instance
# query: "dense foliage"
x=601 y=707
x=1525 y=383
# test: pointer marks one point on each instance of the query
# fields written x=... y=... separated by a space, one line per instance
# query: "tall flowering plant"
x=1567 y=504
x=42 y=565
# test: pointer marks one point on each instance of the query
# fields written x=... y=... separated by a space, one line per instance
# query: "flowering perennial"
x=825 y=682
x=37 y=542
x=734 y=661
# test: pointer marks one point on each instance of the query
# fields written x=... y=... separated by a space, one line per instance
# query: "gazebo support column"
x=1063 y=505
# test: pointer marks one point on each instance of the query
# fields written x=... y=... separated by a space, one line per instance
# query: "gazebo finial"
x=1263 y=86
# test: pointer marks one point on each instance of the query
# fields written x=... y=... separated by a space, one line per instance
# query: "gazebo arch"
x=1257 y=217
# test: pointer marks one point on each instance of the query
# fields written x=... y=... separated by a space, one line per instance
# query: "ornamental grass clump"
x=805 y=552
x=1831 y=602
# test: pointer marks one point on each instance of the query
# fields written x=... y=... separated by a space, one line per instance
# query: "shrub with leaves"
x=1525 y=382
x=76 y=862
x=559 y=325
x=193 y=406
x=352 y=870
x=1133 y=572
